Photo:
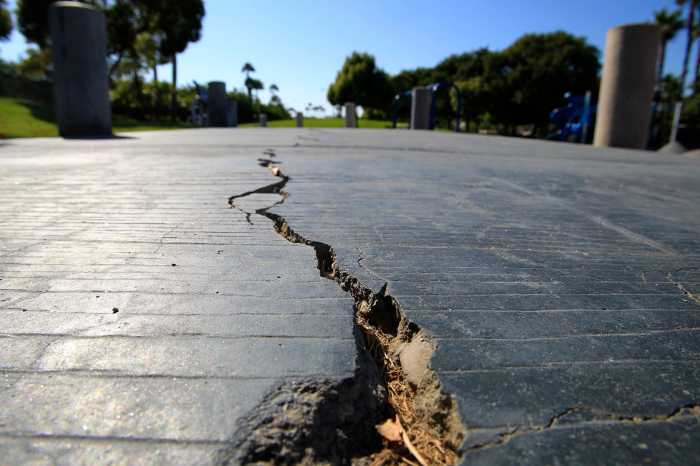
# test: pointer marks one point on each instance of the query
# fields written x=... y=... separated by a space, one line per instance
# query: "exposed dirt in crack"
x=399 y=384
x=314 y=421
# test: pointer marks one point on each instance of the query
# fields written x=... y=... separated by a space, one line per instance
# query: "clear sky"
x=300 y=44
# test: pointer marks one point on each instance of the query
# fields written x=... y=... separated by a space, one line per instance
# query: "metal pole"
x=586 y=116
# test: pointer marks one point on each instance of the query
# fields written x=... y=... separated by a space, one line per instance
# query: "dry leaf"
x=391 y=430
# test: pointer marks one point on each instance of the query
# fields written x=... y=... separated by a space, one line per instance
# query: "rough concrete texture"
x=559 y=284
x=350 y=115
x=627 y=86
x=421 y=100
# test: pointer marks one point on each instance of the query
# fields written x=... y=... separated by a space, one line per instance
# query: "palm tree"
x=247 y=69
x=696 y=84
x=253 y=84
x=669 y=24
x=689 y=25
x=274 y=99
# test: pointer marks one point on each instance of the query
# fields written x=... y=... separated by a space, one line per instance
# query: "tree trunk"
x=660 y=65
x=696 y=83
x=156 y=91
x=114 y=66
x=173 y=94
x=688 y=44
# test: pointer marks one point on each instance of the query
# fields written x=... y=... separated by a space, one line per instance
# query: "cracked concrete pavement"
x=142 y=318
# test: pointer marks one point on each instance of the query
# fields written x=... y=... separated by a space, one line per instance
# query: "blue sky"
x=300 y=44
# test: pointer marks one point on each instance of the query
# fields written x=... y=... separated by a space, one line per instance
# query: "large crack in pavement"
x=333 y=421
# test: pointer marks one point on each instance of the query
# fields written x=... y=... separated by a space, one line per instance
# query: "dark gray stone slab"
x=551 y=276
x=141 y=318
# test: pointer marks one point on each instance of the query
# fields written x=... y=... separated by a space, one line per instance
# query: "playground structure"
x=434 y=89
x=198 y=107
x=574 y=120
x=205 y=105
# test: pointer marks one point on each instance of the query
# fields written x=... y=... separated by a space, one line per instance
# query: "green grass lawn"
x=25 y=119
x=324 y=123
x=21 y=118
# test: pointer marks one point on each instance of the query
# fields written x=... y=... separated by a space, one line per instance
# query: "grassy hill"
x=25 y=119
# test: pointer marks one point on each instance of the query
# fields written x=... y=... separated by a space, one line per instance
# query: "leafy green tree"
x=35 y=64
x=540 y=68
x=5 y=21
x=176 y=24
x=124 y=23
x=691 y=110
x=671 y=89
x=147 y=48
x=33 y=19
x=360 y=81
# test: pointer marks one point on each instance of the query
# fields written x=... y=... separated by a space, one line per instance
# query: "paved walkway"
x=145 y=321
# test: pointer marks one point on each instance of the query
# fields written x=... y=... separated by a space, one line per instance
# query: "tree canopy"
x=540 y=68
x=360 y=81
x=33 y=19
x=177 y=23
x=5 y=21
x=519 y=85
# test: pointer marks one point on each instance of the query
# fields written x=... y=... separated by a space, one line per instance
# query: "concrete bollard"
x=232 y=113
x=627 y=86
x=263 y=120
x=300 y=120
x=81 y=88
x=421 y=100
x=216 y=104
x=350 y=115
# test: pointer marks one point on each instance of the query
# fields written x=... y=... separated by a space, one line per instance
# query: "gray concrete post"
x=421 y=99
x=232 y=113
x=627 y=86
x=300 y=120
x=216 y=104
x=350 y=115
x=81 y=88
x=263 y=120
